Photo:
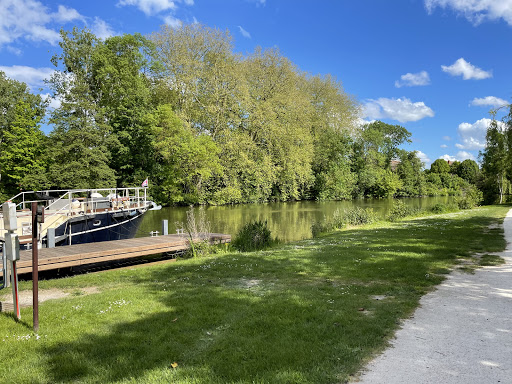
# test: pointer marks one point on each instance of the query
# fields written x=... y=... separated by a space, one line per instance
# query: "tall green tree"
x=78 y=145
x=376 y=145
x=333 y=123
x=188 y=159
x=123 y=78
x=409 y=171
x=21 y=140
x=494 y=160
x=278 y=121
x=469 y=171
x=440 y=166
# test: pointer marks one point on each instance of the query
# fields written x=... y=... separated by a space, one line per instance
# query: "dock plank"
x=91 y=253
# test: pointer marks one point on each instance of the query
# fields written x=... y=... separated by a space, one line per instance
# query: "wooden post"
x=35 y=269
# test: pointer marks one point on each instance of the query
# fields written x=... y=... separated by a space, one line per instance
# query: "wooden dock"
x=92 y=253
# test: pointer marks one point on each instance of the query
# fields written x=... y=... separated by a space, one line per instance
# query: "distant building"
x=394 y=164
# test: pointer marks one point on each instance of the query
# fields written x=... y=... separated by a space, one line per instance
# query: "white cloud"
x=403 y=110
x=444 y=146
x=413 y=79
x=154 y=7
x=101 y=29
x=172 y=21
x=467 y=70
x=463 y=155
x=448 y=158
x=150 y=7
x=31 y=20
x=473 y=135
x=476 y=11
x=423 y=158
x=244 y=32
x=33 y=77
x=491 y=101
x=447 y=138
x=65 y=14
x=460 y=156
x=54 y=102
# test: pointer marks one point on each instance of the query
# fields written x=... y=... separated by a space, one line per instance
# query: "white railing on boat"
x=71 y=203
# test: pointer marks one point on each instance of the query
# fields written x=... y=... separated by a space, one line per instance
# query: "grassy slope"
x=291 y=314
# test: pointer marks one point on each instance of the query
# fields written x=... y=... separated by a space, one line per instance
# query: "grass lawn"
x=307 y=312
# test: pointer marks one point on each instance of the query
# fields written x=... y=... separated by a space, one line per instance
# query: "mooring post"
x=50 y=238
x=35 y=268
x=165 y=227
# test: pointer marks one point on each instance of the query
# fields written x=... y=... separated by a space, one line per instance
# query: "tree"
x=21 y=140
x=374 y=149
x=334 y=114
x=78 y=151
x=188 y=159
x=410 y=172
x=494 y=160
x=122 y=81
x=469 y=171
x=440 y=166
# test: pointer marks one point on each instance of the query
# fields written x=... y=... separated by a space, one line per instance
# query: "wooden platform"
x=83 y=254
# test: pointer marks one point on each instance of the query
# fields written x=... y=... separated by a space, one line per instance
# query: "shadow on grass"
x=300 y=313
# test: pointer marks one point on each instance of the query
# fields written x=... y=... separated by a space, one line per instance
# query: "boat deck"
x=91 y=253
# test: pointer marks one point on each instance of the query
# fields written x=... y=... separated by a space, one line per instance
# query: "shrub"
x=439 y=208
x=399 y=210
x=253 y=236
x=359 y=216
x=471 y=197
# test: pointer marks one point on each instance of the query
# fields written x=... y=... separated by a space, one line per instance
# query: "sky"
x=435 y=67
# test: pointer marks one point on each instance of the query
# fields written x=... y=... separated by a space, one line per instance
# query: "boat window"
x=96 y=223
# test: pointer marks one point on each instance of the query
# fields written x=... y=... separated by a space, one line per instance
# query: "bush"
x=359 y=216
x=253 y=236
x=439 y=208
x=471 y=197
x=398 y=211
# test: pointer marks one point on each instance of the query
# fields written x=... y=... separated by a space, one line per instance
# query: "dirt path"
x=44 y=295
x=461 y=333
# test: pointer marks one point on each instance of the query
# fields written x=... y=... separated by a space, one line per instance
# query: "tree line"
x=205 y=124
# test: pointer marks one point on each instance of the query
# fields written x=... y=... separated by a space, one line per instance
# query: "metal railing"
x=74 y=203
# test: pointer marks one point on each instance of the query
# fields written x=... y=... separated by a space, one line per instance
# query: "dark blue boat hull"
x=97 y=227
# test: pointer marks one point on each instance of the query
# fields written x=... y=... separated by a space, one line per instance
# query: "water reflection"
x=289 y=221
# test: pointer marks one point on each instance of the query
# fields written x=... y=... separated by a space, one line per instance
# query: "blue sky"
x=435 y=67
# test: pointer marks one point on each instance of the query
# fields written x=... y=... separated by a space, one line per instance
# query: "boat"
x=79 y=216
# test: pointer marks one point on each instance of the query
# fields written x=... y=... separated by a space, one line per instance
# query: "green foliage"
x=188 y=160
x=399 y=210
x=441 y=208
x=206 y=125
x=21 y=140
x=469 y=171
x=440 y=166
x=359 y=216
x=471 y=197
x=496 y=159
x=253 y=236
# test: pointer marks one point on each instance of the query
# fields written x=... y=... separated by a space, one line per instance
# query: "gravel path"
x=461 y=333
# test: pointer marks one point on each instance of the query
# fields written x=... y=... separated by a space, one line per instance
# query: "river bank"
x=311 y=311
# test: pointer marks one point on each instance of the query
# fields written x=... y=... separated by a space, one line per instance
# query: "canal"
x=288 y=221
